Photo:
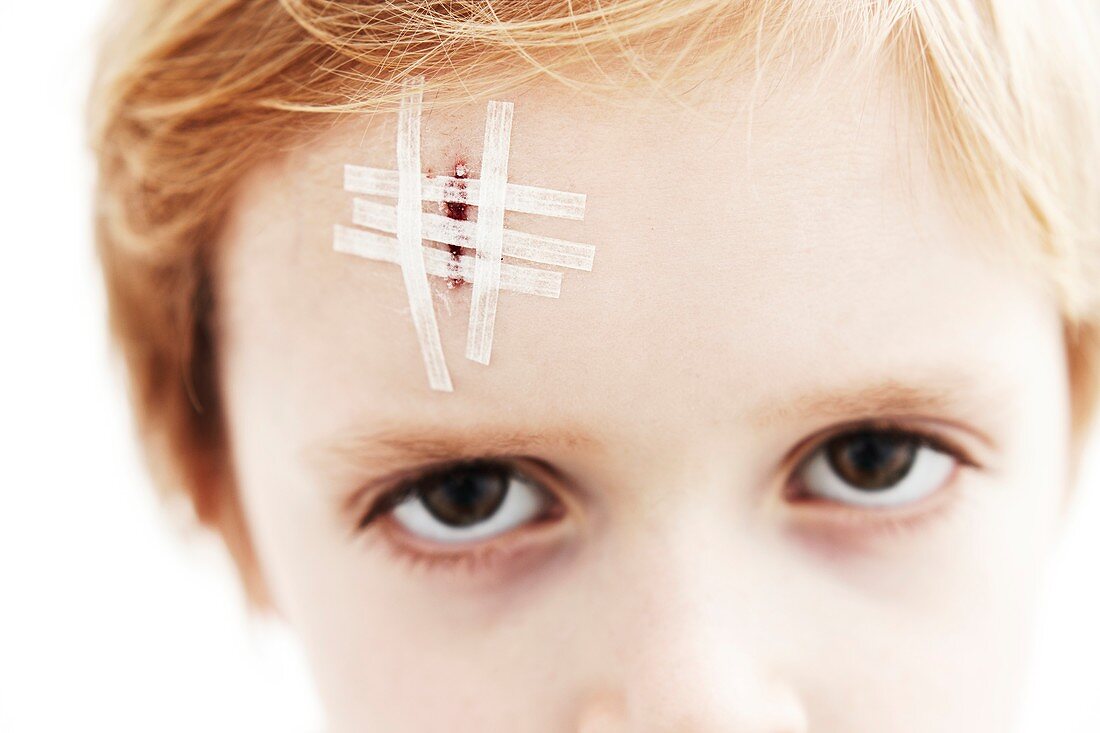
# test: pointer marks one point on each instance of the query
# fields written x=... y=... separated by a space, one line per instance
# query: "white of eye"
x=926 y=474
x=522 y=503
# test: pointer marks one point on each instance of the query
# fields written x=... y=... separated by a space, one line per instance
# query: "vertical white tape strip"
x=489 y=237
x=409 y=236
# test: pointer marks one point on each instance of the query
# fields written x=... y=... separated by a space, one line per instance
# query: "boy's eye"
x=469 y=502
x=876 y=468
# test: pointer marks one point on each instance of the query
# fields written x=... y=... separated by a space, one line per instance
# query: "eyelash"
x=893 y=427
x=884 y=522
x=474 y=557
x=483 y=555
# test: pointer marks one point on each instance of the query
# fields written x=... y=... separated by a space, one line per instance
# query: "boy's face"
x=689 y=494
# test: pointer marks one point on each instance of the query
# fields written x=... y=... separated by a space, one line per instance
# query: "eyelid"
x=485 y=558
x=387 y=492
x=915 y=427
x=490 y=559
x=836 y=525
x=377 y=497
x=382 y=494
x=393 y=489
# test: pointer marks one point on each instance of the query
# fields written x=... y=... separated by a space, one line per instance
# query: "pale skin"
x=753 y=297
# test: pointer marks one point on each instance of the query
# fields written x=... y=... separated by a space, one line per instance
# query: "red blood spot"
x=457 y=210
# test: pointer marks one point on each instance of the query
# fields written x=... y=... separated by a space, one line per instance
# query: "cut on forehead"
x=554 y=146
x=646 y=159
x=708 y=244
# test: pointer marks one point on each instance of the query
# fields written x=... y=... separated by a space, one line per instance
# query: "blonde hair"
x=191 y=94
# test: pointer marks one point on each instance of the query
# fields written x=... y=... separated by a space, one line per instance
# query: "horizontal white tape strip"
x=384 y=248
x=522 y=199
x=439 y=228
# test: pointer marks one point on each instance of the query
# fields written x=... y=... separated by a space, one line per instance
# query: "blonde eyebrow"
x=946 y=398
x=434 y=445
x=952 y=395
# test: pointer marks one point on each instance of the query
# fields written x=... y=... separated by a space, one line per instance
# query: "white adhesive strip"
x=409 y=236
x=521 y=199
x=438 y=228
x=489 y=238
x=384 y=248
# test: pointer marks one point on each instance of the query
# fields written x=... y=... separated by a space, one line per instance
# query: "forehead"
x=742 y=247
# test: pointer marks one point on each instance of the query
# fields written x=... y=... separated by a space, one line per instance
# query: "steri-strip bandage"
x=396 y=233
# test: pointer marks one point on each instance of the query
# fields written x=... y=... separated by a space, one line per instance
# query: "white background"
x=108 y=619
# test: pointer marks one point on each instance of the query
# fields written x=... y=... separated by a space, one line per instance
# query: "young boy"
x=652 y=365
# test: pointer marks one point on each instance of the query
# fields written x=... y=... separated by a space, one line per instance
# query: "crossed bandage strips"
x=396 y=234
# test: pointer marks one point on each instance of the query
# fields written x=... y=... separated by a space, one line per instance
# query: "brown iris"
x=872 y=460
x=465 y=494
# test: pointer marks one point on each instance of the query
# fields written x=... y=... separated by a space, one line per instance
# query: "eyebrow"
x=435 y=445
x=955 y=395
x=946 y=397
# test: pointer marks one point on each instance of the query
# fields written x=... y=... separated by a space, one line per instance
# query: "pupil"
x=466 y=495
x=872 y=460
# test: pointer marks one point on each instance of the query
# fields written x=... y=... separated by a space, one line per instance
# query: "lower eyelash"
x=485 y=556
x=857 y=523
x=470 y=561
x=926 y=438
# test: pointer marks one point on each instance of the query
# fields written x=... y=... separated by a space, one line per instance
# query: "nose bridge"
x=688 y=632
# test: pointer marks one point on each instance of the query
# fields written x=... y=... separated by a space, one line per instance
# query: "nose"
x=686 y=639
x=694 y=696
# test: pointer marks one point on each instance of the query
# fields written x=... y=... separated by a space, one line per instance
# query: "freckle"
x=457 y=210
